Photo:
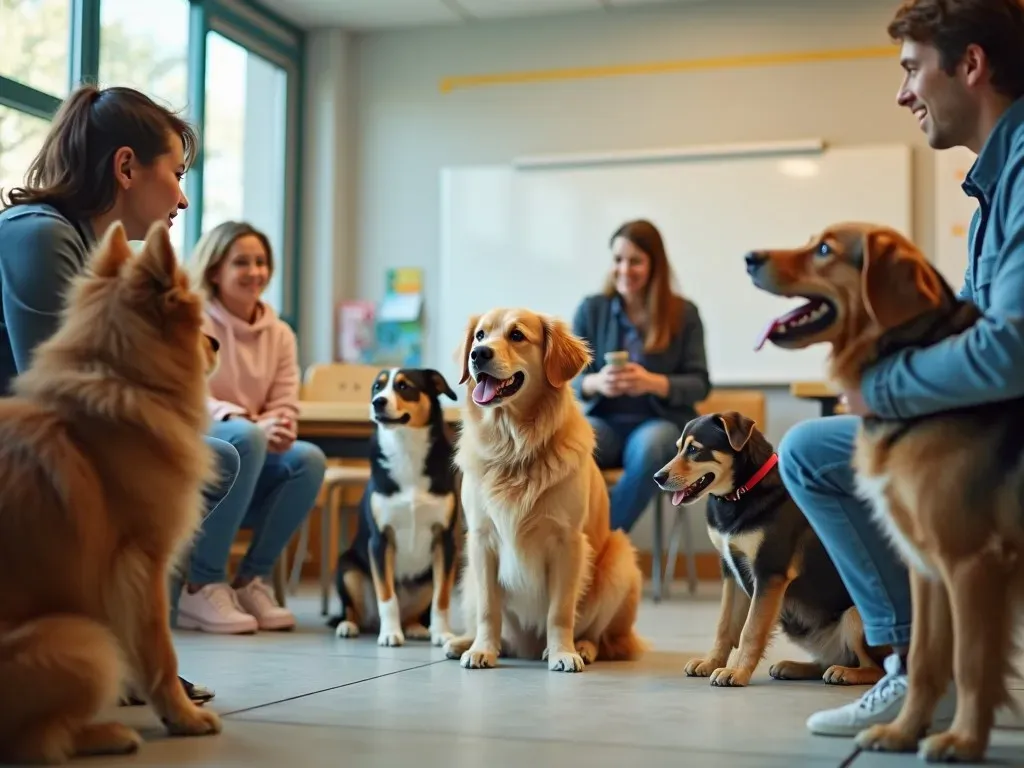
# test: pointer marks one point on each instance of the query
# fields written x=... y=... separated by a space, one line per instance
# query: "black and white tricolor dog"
x=398 y=575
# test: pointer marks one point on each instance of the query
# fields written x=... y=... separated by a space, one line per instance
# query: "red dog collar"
x=757 y=478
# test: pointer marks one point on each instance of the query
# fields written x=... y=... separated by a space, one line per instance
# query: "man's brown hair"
x=996 y=26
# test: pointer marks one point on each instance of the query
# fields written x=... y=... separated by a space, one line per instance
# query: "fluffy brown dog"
x=102 y=463
x=546 y=577
x=946 y=487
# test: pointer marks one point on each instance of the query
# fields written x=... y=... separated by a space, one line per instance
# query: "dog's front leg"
x=731 y=614
x=444 y=579
x=487 y=642
x=155 y=665
x=382 y=570
x=765 y=607
x=563 y=592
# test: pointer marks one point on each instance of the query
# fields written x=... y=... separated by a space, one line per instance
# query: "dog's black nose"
x=661 y=476
x=379 y=403
x=481 y=354
x=754 y=260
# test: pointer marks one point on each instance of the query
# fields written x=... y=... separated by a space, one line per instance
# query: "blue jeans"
x=815 y=463
x=272 y=495
x=228 y=462
x=640 y=449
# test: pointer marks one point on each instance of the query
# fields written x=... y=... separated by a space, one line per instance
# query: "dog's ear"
x=896 y=282
x=438 y=382
x=112 y=252
x=565 y=354
x=467 y=345
x=738 y=428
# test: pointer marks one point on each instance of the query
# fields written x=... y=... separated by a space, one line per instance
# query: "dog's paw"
x=454 y=647
x=587 y=651
x=700 y=667
x=479 y=659
x=416 y=632
x=193 y=721
x=794 y=670
x=837 y=675
x=565 y=661
x=107 y=739
x=391 y=639
x=886 y=738
x=441 y=637
x=951 y=747
x=346 y=629
x=727 y=677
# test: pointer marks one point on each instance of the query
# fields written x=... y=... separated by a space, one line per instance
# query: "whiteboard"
x=953 y=211
x=538 y=237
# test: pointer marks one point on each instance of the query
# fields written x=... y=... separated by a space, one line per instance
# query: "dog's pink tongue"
x=485 y=389
x=677 y=497
x=771 y=326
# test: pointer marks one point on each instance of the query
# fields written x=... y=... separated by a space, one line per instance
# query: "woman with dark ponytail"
x=110 y=155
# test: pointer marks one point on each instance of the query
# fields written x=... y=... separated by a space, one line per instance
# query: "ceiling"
x=361 y=15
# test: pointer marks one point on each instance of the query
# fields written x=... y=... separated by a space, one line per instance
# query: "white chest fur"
x=412 y=512
x=873 y=490
x=730 y=546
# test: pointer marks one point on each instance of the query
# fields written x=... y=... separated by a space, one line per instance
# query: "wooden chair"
x=749 y=402
x=340 y=383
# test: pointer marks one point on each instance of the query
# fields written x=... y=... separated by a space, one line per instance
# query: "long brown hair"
x=74 y=168
x=664 y=307
x=212 y=249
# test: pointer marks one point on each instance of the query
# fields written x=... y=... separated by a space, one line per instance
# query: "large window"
x=244 y=146
x=144 y=45
x=34 y=48
x=21 y=135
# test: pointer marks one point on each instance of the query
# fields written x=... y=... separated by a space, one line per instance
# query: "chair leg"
x=657 y=546
x=690 y=547
x=325 y=549
x=280 y=578
x=301 y=551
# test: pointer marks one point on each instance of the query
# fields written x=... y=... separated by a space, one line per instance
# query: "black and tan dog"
x=775 y=569
x=947 y=487
x=398 y=575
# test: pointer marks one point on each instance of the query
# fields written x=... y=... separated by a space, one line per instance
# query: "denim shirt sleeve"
x=690 y=383
x=40 y=255
x=983 y=364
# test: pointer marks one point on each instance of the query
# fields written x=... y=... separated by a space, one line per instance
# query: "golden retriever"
x=545 y=577
x=946 y=487
x=102 y=464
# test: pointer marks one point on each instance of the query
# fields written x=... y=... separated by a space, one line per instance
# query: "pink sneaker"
x=258 y=599
x=214 y=609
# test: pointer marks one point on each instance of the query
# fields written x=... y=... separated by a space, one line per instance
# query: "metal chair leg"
x=325 y=550
x=656 y=555
x=301 y=551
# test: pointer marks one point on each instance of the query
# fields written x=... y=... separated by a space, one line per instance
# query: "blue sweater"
x=986 y=362
x=684 y=361
x=41 y=251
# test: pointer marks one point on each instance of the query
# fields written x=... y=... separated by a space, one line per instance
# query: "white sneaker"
x=214 y=609
x=257 y=599
x=879 y=705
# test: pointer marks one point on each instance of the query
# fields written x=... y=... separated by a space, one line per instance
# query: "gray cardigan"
x=683 y=361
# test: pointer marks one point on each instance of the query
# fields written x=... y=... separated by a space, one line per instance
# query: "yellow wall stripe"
x=454 y=82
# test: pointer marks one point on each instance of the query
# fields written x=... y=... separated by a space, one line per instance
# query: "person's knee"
x=248 y=438
x=797 y=449
x=656 y=444
x=308 y=459
x=227 y=464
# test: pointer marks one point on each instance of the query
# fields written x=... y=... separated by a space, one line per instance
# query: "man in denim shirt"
x=964 y=83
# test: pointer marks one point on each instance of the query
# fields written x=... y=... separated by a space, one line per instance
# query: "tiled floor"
x=306 y=699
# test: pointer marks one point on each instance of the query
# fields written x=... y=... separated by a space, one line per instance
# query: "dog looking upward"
x=102 y=466
x=948 y=488
x=398 y=575
x=545 y=577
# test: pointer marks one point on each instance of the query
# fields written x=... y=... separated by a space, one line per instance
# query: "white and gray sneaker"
x=879 y=705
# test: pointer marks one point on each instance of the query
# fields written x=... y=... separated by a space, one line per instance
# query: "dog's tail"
x=617 y=577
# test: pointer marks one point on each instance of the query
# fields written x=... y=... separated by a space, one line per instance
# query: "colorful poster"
x=356 y=332
x=400 y=319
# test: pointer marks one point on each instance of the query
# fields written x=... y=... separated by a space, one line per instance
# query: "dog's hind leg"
x=867 y=671
x=58 y=673
x=352 y=590
x=930 y=662
x=444 y=568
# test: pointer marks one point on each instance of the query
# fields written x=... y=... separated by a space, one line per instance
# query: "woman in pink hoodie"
x=254 y=406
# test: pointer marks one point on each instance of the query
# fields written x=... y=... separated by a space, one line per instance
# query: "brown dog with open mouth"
x=947 y=488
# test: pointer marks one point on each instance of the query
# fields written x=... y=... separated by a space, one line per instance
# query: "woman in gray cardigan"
x=639 y=407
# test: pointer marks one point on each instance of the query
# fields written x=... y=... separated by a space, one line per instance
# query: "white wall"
x=406 y=130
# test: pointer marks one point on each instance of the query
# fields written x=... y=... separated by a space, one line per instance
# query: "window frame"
x=245 y=23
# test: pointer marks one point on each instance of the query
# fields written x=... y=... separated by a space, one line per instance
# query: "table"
x=826 y=395
x=343 y=429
